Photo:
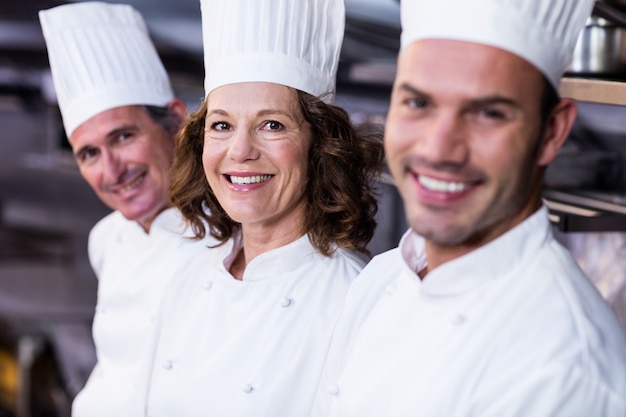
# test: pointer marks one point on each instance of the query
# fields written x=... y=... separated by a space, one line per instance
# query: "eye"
x=87 y=155
x=273 y=125
x=492 y=113
x=416 y=103
x=220 y=126
x=124 y=136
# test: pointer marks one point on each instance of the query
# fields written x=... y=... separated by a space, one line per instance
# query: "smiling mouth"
x=132 y=185
x=254 y=179
x=443 y=186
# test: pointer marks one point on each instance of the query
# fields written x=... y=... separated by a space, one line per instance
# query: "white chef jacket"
x=511 y=329
x=133 y=270
x=254 y=347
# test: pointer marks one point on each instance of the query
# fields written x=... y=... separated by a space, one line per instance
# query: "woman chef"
x=287 y=180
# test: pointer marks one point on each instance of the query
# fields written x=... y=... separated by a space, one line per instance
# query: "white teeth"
x=255 y=179
x=131 y=185
x=444 y=186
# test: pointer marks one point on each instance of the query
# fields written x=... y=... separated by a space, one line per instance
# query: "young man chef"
x=121 y=118
x=479 y=311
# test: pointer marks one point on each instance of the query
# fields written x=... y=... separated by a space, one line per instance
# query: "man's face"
x=125 y=157
x=462 y=140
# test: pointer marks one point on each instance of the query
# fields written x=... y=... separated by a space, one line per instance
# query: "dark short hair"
x=165 y=117
x=549 y=100
x=344 y=162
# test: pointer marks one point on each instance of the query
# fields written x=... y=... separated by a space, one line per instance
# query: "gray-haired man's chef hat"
x=290 y=42
x=101 y=57
x=543 y=32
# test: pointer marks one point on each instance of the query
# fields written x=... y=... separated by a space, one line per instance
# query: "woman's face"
x=255 y=156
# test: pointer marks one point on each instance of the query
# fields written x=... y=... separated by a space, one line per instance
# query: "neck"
x=437 y=254
x=146 y=222
x=260 y=238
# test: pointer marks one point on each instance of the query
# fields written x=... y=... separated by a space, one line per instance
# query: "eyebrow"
x=113 y=133
x=412 y=90
x=482 y=101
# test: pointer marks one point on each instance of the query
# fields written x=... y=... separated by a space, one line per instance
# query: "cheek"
x=91 y=175
x=398 y=143
x=210 y=162
x=504 y=153
x=299 y=163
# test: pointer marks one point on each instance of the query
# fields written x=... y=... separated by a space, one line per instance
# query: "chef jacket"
x=133 y=270
x=513 y=328
x=253 y=347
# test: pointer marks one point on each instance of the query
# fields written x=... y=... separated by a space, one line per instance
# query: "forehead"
x=108 y=121
x=466 y=68
x=254 y=97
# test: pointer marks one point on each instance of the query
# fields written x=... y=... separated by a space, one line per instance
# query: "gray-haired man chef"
x=121 y=118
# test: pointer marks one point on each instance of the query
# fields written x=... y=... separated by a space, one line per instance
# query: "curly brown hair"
x=344 y=162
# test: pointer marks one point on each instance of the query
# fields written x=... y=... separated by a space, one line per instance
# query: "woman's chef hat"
x=290 y=42
x=101 y=57
x=543 y=32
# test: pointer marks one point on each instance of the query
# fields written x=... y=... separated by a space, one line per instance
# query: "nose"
x=112 y=167
x=243 y=146
x=444 y=140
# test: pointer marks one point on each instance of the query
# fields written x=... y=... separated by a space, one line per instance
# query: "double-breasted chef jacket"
x=253 y=347
x=133 y=269
x=511 y=329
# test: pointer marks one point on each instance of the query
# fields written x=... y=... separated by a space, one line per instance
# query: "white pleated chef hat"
x=101 y=57
x=290 y=42
x=543 y=32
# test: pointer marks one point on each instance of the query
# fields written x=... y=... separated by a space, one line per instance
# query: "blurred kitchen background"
x=47 y=288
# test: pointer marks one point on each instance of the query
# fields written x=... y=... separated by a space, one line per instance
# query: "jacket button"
x=247 y=388
x=457 y=319
x=390 y=289
x=285 y=302
x=168 y=364
x=207 y=285
x=333 y=390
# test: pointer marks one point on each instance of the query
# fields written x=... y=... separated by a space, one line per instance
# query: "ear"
x=179 y=108
x=557 y=129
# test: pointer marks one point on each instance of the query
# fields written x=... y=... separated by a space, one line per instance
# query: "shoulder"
x=382 y=268
x=351 y=259
x=580 y=334
x=106 y=224
x=365 y=292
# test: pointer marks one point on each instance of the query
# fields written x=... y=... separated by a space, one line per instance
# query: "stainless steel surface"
x=601 y=48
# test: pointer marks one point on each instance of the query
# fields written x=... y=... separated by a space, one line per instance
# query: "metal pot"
x=601 y=46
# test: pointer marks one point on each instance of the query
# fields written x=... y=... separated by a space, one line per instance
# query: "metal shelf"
x=576 y=212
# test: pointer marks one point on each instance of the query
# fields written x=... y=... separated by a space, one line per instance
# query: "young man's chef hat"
x=290 y=42
x=543 y=32
x=101 y=57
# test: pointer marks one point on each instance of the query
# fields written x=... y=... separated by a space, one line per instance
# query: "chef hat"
x=290 y=42
x=101 y=57
x=543 y=32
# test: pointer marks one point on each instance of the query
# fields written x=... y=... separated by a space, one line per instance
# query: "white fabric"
x=543 y=32
x=293 y=43
x=133 y=269
x=511 y=329
x=254 y=347
x=101 y=57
